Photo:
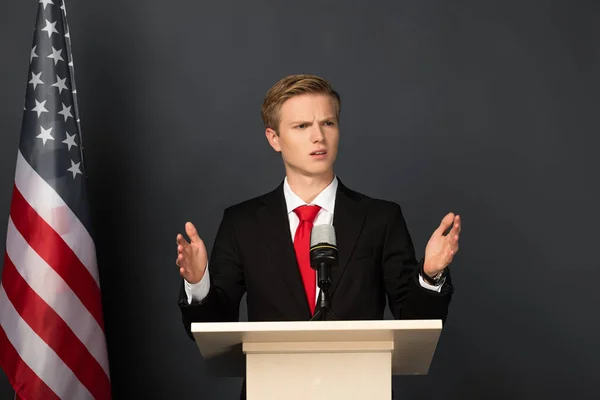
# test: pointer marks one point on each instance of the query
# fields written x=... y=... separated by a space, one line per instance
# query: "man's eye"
x=302 y=126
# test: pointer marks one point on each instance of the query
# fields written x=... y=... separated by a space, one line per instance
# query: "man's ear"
x=273 y=139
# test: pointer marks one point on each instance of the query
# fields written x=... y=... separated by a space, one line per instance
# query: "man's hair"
x=294 y=85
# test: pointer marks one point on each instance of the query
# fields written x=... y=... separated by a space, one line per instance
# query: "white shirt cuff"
x=437 y=288
x=198 y=291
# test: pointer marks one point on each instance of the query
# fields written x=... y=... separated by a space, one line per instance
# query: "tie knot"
x=307 y=213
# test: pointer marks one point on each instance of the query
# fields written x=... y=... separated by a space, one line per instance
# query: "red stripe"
x=53 y=330
x=24 y=381
x=57 y=254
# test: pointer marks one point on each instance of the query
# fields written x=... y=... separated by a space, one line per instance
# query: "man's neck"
x=309 y=187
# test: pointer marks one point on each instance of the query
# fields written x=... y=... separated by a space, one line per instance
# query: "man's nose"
x=317 y=134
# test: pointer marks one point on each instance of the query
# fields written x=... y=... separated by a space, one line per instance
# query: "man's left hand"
x=441 y=248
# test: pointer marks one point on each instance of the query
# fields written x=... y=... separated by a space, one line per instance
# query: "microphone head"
x=323 y=249
x=321 y=234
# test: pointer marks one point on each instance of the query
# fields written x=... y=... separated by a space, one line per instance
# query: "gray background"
x=477 y=107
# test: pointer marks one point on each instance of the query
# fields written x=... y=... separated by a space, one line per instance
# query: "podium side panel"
x=319 y=376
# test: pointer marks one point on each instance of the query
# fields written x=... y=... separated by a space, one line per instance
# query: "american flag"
x=52 y=340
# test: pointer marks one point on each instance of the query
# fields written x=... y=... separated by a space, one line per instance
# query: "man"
x=261 y=247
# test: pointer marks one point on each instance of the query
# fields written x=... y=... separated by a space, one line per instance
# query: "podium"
x=318 y=360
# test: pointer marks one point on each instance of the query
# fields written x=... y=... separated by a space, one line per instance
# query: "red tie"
x=307 y=215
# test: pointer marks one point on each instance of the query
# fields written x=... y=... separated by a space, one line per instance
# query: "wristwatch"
x=436 y=280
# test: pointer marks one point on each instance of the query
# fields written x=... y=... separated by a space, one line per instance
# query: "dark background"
x=483 y=108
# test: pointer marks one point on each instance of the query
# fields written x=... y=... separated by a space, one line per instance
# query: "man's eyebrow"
x=330 y=118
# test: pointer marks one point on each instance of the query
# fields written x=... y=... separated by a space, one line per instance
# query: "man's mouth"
x=318 y=153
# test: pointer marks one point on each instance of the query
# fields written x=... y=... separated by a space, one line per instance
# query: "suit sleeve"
x=227 y=282
x=406 y=297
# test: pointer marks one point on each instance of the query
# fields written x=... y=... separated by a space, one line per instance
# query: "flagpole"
x=73 y=86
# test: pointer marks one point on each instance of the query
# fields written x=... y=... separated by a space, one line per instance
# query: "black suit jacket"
x=253 y=252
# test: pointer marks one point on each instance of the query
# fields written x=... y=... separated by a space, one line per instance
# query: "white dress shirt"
x=325 y=200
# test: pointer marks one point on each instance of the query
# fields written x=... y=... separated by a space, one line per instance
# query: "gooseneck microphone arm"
x=324 y=275
x=324 y=311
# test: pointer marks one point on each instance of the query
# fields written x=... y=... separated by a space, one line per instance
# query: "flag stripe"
x=37 y=355
x=55 y=292
x=26 y=383
x=54 y=331
x=53 y=209
x=57 y=254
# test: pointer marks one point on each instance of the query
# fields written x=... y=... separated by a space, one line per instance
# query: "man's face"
x=308 y=135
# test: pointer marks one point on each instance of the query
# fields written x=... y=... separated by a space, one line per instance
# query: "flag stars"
x=66 y=112
x=46 y=2
x=40 y=107
x=33 y=55
x=74 y=169
x=56 y=55
x=70 y=140
x=36 y=80
x=45 y=135
x=60 y=84
x=50 y=28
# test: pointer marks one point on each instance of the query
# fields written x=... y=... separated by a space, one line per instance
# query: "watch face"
x=436 y=280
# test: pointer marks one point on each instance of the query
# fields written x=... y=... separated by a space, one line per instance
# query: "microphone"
x=323 y=253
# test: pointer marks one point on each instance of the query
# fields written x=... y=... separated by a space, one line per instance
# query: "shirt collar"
x=325 y=199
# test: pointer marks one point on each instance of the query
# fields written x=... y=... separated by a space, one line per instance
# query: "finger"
x=454 y=233
x=182 y=245
x=445 y=224
x=181 y=240
x=192 y=233
x=453 y=250
x=181 y=249
x=180 y=266
x=180 y=261
x=457 y=225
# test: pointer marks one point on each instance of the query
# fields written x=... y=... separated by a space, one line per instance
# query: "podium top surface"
x=316 y=326
x=414 y=341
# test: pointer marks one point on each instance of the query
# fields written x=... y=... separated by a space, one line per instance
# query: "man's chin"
x=312 y=172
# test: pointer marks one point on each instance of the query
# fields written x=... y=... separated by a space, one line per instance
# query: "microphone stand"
x=324 y=283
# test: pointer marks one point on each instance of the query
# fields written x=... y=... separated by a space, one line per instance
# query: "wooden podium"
x=318 y=360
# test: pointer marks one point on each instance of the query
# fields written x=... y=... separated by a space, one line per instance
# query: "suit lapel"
x=274 y=223
x=348 y=220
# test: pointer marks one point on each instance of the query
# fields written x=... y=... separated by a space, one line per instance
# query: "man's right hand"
x=191 y=257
